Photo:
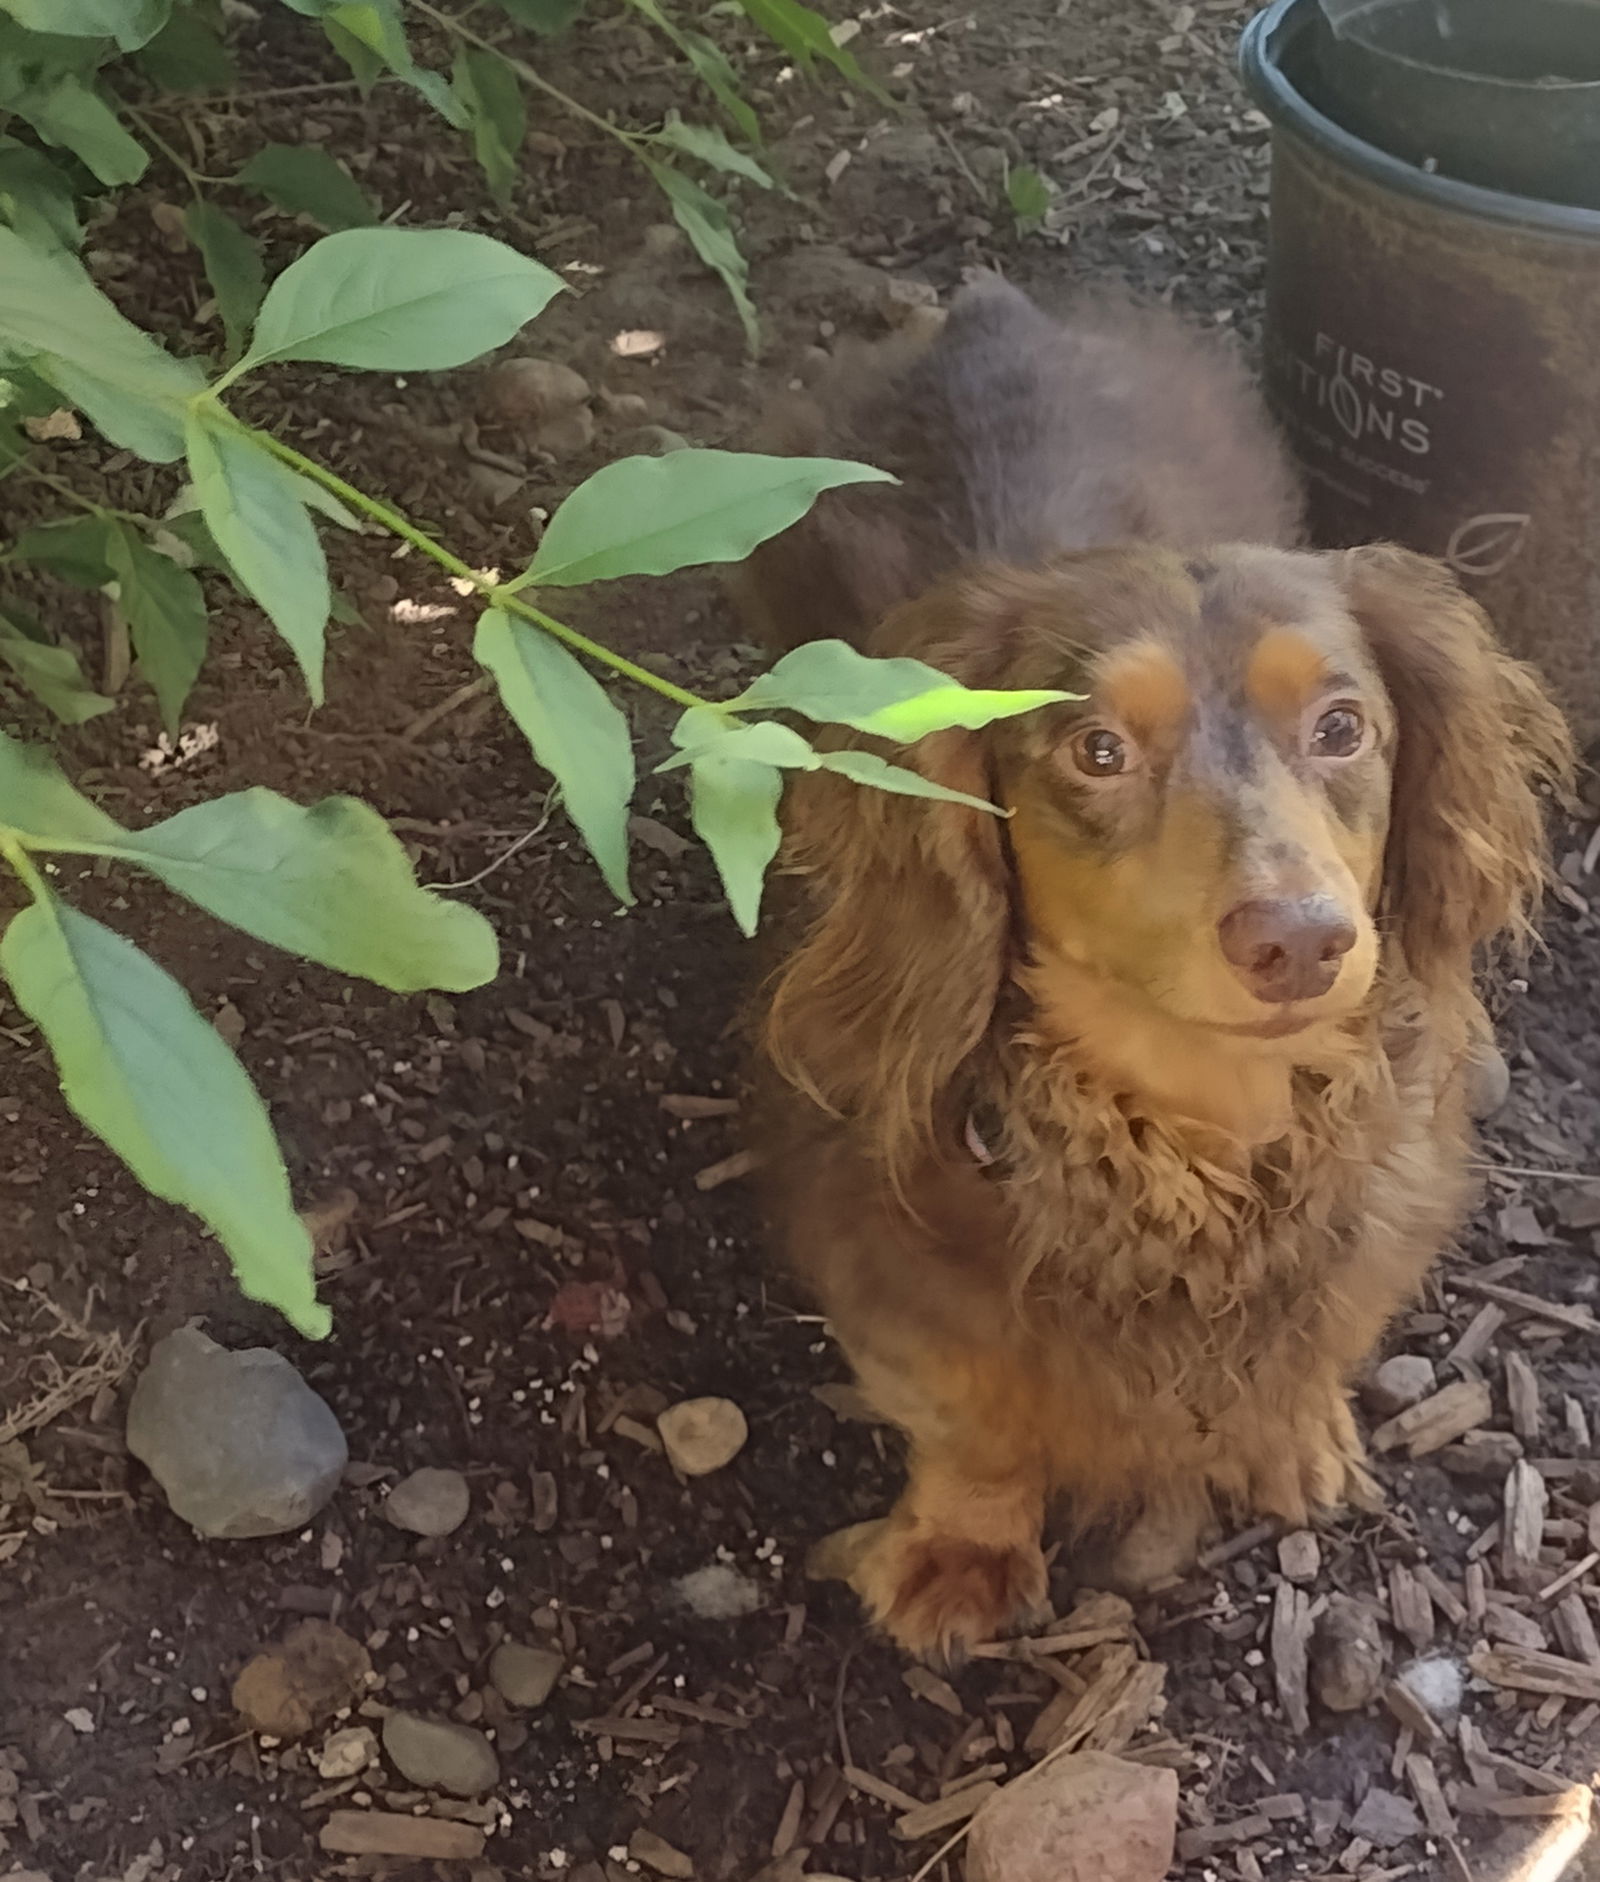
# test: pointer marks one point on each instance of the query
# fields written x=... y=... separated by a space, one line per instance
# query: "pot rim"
x=1261 y=64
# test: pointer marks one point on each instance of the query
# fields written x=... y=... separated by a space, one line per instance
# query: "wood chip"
x=1522 y=1395
x=1473 y=1801
x=923 y=1684
x=881 y=1789
x=1241 y=1544
x=944 y=1813
x=687 y=1105
x=1412 y=1715
x=1522 y=1527
x=1207 y=1837
x=1291 y=1649
x=1520 y=1669
x=631 y=1731
x=1440 y=1419
x=1132 y=1709
x=1482 y=1331
x=387 y=1833
x=1443 y=1596
x=1575 y=1629
x=1565 y=1580
x=729 y=1170
x=787 y=1833
x=1410 y=1606
x=657 y=1854
x=1575 y=1319
x=1425 y=1787
x=1114 y=1669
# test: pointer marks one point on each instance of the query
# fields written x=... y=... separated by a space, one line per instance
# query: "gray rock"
x=429 y=1502
x=1385 y=1819
x=1347 y=1655
x=1399 y=1383
x=439 y=1756
x=1488 y=1082
x=238 y=1441
x=524 y=1676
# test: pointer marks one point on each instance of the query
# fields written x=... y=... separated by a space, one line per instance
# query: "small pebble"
x=524 y=1676
x=703 y=1434
x=1398 y=1384
x=438 y=1756
x=429 y=1502
x=347 y=1753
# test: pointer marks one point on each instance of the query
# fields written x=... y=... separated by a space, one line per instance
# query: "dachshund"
x=1111 y=1130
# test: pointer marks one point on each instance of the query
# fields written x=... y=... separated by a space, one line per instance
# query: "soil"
x=528 y=1267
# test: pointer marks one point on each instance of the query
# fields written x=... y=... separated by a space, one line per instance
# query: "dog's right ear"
x=895 y=983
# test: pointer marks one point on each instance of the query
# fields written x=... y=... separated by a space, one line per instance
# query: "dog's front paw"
x=938 y=1594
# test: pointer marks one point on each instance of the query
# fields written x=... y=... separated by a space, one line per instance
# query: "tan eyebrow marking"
x=1143 y=686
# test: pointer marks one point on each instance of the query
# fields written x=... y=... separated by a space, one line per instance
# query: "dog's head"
x=1281 y=767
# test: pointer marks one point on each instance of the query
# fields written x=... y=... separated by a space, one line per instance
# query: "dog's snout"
x=1288 y=949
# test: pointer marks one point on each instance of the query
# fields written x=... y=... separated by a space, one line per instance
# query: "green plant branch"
x=12 y=849
x=496 y=594
x=449 y=23
x=193 y=177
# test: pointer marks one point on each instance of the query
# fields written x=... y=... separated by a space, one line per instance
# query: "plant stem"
x=493 y=592
x=12 y=849
x=527 y=74
x=193 y=177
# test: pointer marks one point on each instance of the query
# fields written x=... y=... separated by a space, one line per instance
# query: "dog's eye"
x=1099 y=753
x=1338 y=733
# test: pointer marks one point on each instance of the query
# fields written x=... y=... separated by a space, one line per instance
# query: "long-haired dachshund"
x=1115 y=1129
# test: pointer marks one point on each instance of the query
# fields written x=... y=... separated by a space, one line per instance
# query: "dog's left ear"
x=1480 y=745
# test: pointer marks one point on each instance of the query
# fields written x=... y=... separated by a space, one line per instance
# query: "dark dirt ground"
x=505 y=1144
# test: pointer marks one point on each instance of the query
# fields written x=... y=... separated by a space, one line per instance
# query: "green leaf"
x=52 y=675
x=366 y=68
x=332 y=883
x=257 y=518
x=706 y=143
x=303 y=180
x=233 y=266
x=36 y=198
x=703 y=736
x=377 y=25
x=543 y=16
x=400 y=300
x=1030 y=196
x=866 y=767
x=576 y=732
x=151 y=1078
x=651 y=515
x=715 y=71
x=166 y=615
x=67 y=114
x=805 y=36
x=711 y=65
x=490 y=93
x=700 y=733
x=131 y=23
x=187 y=56
x=704 y=220
x=733 y=805
x=78 y=551
x=56 y=321
x=902 y=700
x=38 y=803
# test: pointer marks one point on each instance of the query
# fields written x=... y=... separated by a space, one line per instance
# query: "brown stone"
x=314 y=1670
x=1088 y=1817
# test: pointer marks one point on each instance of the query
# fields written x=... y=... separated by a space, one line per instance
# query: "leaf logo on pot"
x=1483 y=545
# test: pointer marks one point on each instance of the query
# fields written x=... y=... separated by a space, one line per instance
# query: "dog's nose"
x=1287 y=949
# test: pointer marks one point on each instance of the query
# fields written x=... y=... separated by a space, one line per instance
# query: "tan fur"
x=1149 y=1293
